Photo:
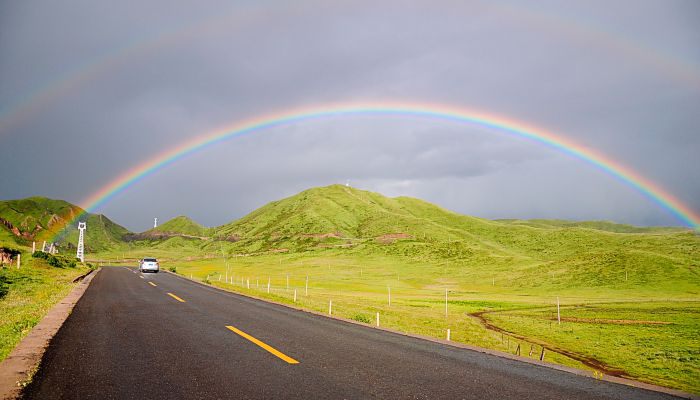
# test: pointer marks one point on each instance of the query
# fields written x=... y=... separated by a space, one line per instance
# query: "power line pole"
x=81 y=242
x=155 y=223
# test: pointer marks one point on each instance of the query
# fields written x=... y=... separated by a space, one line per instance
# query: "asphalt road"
x=127 y=338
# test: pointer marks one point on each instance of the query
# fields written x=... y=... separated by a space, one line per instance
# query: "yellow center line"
x=264 y=345
x=152 y=284
x=175 y=297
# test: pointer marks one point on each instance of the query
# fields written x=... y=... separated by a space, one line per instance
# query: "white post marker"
x=268 y=284
x=330 y=307
x=247 y=283
x=306 y=289
x=287 y=281
x=377 y=318
x=558 y=313
x=19 y=260
x=33 y=247
x=295 y=295
x=448 y=334
x=43 y=246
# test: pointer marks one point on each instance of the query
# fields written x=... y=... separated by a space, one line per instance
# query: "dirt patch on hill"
x=335 y=235
x=390 y=238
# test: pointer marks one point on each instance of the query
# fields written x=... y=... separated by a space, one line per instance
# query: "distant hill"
x=180 y=226
x=39 y=218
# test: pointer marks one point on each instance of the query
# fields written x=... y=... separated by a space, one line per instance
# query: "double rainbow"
x=439 y=112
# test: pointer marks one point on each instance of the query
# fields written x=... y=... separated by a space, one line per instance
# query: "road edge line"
x=20 y=365
x=576 y=371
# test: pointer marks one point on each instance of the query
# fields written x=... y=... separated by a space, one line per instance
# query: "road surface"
x=159 y=336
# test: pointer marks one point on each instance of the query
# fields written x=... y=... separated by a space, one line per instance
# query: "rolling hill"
x=39 y=218
x=357 y=222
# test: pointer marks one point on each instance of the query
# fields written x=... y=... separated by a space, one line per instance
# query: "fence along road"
x=163 y=337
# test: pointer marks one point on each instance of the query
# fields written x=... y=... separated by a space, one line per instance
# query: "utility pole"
x=81 y=242
x=155 y=223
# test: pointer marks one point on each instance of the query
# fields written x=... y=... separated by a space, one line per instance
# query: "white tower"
x=81 y=245
x=155 y=223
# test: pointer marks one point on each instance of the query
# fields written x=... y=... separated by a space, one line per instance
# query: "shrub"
x=362 y=318
x=56 y=261
x=173 y=269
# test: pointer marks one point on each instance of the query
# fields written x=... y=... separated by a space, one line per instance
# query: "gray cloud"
x=619 y=78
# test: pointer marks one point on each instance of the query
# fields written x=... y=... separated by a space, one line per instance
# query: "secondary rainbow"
x=440 y=112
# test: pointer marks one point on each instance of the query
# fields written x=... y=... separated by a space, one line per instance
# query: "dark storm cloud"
x=617 y=78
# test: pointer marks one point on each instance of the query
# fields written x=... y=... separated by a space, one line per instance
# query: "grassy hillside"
x=39 y=218
x=571 y=257
x=181 y=225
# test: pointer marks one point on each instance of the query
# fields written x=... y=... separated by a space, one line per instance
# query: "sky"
x=90 y=89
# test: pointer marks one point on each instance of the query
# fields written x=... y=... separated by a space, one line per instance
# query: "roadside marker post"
x=268 y=284
x=287 y=281
x=295 y=295
x=306 y=289
x=330 y=307
x=247 y=283
x=377 y=318
x=33 y=247
x=19 y=260
x=448 y=334
x=558 y=315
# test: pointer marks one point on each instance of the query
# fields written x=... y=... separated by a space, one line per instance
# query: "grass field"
x=32 y=291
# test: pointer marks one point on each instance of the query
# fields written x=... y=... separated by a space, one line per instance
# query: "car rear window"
x=150 y=260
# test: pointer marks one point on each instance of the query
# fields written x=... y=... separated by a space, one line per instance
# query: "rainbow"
x=500 y=124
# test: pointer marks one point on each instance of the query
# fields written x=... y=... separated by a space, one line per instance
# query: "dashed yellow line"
x=141 y=276
x=264 y=345
x=175 y=297
x=152 y=284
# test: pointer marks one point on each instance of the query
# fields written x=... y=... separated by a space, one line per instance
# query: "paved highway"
x=158 y=336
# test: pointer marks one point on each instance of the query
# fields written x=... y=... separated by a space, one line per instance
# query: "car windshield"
x=149 y=260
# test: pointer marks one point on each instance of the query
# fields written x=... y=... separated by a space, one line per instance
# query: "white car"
x=149 y=264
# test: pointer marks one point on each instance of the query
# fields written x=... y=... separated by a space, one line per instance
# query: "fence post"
x=542 y=355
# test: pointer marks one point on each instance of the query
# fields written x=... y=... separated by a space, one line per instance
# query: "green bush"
x=56 y=261
x=173 y=269
x=362 y=318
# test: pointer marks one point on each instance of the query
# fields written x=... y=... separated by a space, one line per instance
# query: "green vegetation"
x=182 y=225
x=29 y=293
x=629 y=295
x=39 y=219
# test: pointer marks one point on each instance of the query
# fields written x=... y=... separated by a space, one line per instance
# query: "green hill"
x=39 y=218
x=357 y=222
x=181 y=225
